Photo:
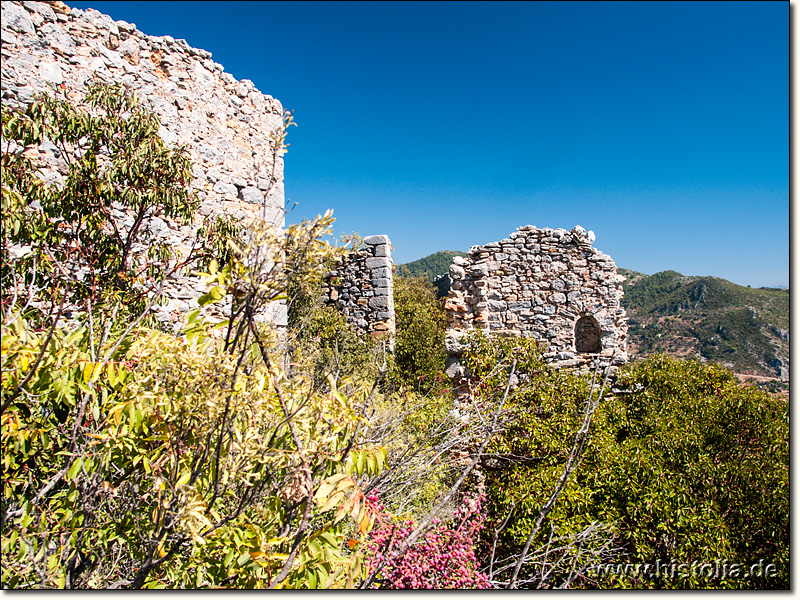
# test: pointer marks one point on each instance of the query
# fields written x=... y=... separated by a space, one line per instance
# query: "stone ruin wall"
x=361 y=288
x=225 y=123
x=549 y=284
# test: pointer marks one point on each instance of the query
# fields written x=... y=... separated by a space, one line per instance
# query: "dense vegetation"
x=674 y=472
x=434 y=267
x=431 y=266
x=420 y=322
x=223 y=457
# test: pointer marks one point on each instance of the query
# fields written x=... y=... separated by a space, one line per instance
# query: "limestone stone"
x=227 y=190
x=252 y=195
x=457 y=272
x=51 y=72
x=16 y=18
x=378 y=262
x=373 y=240
x=453 y=342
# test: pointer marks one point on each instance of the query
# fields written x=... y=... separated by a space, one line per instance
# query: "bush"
x=321 y=341
x=136 y=458
x=115 y=159
x=683 y=464
x=443 y=559
x=165 y=464
x=420 y=323
x=695 y=467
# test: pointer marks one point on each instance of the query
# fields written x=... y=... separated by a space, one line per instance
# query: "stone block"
x=378 y=262
x=378 y=302
x=453 y=368
x=453 y=342
x=497 y=305
x=252 y=195
x=457 y=272
x=373 y=240
x=226 y=190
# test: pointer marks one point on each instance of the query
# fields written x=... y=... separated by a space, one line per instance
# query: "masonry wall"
x=225 y=123
x=361 y=288
x=549 y=284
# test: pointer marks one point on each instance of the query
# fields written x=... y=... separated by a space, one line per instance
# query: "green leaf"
x=215 y=294
x=74 y=469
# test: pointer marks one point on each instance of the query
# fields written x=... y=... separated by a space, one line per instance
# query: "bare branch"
x=572 y=462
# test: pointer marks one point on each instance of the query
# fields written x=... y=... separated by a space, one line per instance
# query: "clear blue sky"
x=662 y=126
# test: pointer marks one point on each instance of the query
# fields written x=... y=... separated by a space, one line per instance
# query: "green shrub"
x=115 y=158
x=683 y=464
x=420 y=323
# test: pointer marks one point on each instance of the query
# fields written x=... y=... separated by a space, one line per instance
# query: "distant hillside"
x=431 y=266
x=435 y=267
x=710 y=318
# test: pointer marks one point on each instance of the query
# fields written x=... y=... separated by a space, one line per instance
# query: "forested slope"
x=742 y=328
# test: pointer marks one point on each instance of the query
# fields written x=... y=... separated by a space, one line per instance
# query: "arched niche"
x=587 y=336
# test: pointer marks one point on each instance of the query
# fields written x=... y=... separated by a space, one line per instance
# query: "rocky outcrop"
x=361 y=288
x=549 y=284
x=225 y=123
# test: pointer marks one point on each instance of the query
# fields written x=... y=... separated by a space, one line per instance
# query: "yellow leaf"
x=275 y=541
x=87 y=373
x=327 y=485
x=112 y=374
x=363 y=527
x=333 y=501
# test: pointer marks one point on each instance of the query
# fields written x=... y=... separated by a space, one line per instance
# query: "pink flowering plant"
x=443 y=558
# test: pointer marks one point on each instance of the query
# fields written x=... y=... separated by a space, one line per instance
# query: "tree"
x=88 y=228
x=138 y=458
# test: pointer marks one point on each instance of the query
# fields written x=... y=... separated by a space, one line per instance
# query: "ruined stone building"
x=546 y=283
x=549 y=284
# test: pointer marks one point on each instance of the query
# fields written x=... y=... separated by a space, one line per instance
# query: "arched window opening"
x=587 y=336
